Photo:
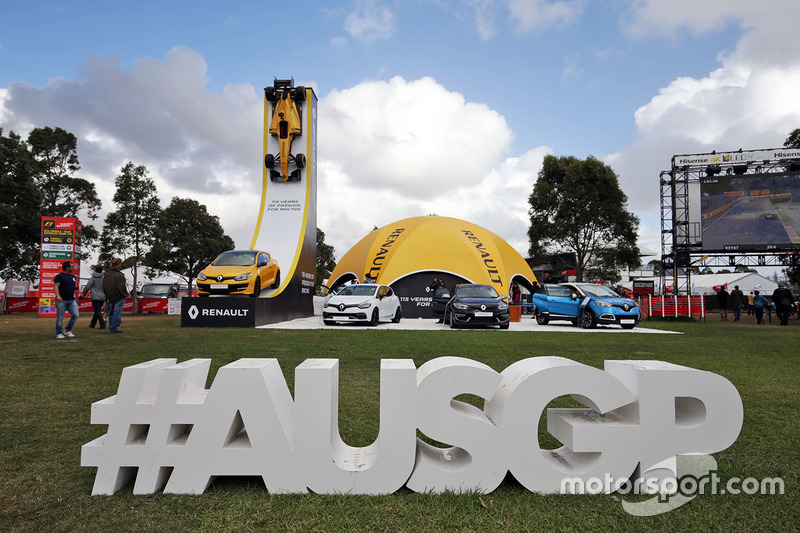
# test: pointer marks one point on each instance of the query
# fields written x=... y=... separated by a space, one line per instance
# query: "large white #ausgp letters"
x=168 y=432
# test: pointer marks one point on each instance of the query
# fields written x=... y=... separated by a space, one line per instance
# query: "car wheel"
x=269 y=161
x=397 y=314
x=277 y=282
x=299 y=93
x=329 y=322
x=542 y=319
x=588 y=321
x=256 y=288
x=300 y=160
x=628 y=326
x=269 y=93
x=375 y=318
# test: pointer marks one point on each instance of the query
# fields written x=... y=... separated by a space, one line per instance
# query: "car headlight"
x=201 y=276
x=242 y=277
x=601 y=303
x=461 y=307
x=365 y=305
x=502 y=306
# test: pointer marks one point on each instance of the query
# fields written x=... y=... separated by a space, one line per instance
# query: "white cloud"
x=369 y=22
x=485 y=21
x=541 y=14
x=388 y=150
x=749 y=102
x=413 y=138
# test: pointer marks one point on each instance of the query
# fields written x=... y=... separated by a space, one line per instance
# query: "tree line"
x=576 y=206
x=37 y=178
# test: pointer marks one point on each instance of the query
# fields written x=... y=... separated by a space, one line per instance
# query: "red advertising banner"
x=61 y=241
x=153 y=305
x=18 y=304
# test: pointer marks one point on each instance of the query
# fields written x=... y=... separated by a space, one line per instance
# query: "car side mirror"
x=574 y=296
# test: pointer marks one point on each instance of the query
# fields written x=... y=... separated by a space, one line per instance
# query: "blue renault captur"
x=585 y=305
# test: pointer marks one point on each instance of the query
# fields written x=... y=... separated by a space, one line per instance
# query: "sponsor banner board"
x=153 y=305
x=60 y=241
x=21 y=304
x=218 y=312
x=643 y=288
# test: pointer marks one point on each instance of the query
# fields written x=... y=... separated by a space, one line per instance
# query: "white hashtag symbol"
x=149 y=421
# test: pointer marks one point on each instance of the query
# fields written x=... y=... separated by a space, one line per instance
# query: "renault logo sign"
x=341 y=307
x=193 y=312
x=483 y=307
x=219 y=278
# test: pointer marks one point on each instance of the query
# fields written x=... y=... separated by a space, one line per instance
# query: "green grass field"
x=48 y=386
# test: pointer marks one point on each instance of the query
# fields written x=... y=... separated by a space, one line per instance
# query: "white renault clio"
x=366 y=302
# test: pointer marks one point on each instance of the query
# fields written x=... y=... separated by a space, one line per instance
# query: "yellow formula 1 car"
x=286 y=124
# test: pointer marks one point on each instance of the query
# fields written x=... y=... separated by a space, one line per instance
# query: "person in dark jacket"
x=95 y=288
x=722 y=298
x=116 y=291
x=782 y=298
x=736 y=301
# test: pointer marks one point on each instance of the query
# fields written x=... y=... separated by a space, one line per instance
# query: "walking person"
x=116 y=291
x=722 y=299
x=64 y=285
x=750 y=298
x=759 y=303
x=95 y=287
x=782 y=298
x=736 y=301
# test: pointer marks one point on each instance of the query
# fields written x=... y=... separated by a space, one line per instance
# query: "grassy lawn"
x=47 y=387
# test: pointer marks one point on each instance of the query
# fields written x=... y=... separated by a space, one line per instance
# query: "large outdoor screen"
x=758 y=212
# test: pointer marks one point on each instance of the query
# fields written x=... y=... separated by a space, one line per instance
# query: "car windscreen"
x=236 y=259
x=155 y=290
x=590 y=289
x=358 y=290
x=476 y=291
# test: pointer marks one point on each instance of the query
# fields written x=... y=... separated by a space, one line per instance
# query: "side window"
x=262 y=259
x=382 y=292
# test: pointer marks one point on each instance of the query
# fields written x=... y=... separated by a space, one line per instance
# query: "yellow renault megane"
x=239 y=272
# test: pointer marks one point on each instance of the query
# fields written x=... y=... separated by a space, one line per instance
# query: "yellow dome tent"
x=410 y=252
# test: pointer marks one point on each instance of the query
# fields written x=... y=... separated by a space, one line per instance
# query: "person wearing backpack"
x=759 y=303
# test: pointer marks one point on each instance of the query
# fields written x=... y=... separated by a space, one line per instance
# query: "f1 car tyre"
x=300 y=160
x=299 y=93
x=269 y=161
x=269 y=93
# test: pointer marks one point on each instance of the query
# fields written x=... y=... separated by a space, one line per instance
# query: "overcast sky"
x=425 y=106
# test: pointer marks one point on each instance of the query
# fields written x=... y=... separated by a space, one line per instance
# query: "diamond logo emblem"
x=193 y=312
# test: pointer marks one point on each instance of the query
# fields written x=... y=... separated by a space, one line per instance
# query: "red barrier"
x=19 y=304
x=673 y=306
x=153 y=305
